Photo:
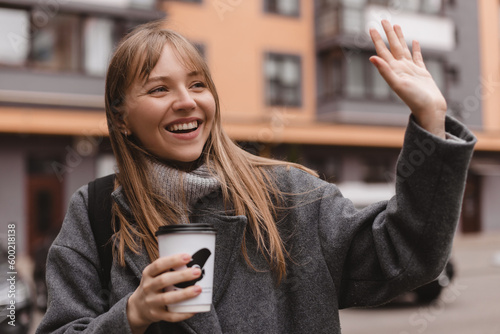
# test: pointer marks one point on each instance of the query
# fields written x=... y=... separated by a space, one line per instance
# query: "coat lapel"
x=230 y=231
x=137 y=262
x=227 y=249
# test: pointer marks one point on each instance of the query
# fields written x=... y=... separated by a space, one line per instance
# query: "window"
x=327 y=3
x=436 y=69
x=193 y=1
x=283 y=7
x=71 y=43
x=98 y=42
x=426 y=6
x=68 y=41
x=201 y=49
x=354 y=3
x=283 y=80
x=410 y=5
x=379 y=2
x=350 y=75
x=14 y=36
x=353 y=19
x=56 y=46
x=143 y=4
x=331 y=78
x=328 y=20
x=355 y=76
x=380 y=90
x=432 y=6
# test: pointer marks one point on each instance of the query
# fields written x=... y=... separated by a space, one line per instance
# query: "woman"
x=290 y=249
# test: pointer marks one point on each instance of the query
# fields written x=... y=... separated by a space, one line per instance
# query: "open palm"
x=407 y=75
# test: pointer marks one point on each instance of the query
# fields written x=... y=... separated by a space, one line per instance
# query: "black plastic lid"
x=186 y=228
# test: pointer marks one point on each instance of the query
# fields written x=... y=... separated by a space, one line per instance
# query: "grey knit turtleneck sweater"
x=182 y=187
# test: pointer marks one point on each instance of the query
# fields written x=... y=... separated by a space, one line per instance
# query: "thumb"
x=385 y=70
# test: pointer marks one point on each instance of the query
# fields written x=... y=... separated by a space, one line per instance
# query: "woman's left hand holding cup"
x=148 y=302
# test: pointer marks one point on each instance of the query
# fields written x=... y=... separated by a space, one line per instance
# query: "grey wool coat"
x=339 y=256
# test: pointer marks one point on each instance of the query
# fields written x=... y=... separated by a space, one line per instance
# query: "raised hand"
x=407 y=75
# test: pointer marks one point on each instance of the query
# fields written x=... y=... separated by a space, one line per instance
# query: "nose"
x=184 y=101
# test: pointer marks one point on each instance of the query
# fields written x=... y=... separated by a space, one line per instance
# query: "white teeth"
x=184 y=126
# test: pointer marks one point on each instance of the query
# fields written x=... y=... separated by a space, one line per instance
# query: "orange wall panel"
x=236 y=34
x=489 y=26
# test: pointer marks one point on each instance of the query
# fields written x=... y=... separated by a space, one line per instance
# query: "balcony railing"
x=349 y=22
x=57 y=52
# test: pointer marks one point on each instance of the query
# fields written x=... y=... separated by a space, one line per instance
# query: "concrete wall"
x=79 y=176
x=75 y=168
x=13 y=195
x=466 y=93
x=490 y=210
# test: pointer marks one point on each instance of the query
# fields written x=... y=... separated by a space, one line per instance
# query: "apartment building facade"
x=293 y=77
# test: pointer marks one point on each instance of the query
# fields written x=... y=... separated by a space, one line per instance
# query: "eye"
x=157 y=90
x=198 y=85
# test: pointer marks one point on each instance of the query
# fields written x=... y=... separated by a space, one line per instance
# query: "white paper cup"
x=199 y=241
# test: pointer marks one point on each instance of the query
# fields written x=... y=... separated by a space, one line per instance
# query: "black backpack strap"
x=100 y=221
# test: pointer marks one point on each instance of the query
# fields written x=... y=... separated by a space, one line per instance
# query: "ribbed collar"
x=182 y=187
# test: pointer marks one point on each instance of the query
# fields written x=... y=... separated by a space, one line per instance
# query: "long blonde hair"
x=246 y=180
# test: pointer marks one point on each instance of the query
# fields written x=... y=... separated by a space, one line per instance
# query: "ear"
x=121 y=125
x=120 y=120
x=124 y=128
x=126 y=132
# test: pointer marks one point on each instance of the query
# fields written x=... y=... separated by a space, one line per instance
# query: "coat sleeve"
x=77 y=302
x=391 y=247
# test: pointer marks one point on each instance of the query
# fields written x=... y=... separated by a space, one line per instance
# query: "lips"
x=184 y=127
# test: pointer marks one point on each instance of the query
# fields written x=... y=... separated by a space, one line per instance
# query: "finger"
x=394 y=43
x=177 y=317
x=385 y=70
x=417 y=54
x=380 y=46
x=402 y=41
x=170 y=278
x=166 y=263
x=177 y=296
x=160 y=309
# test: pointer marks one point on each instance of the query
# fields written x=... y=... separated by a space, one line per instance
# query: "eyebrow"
x=163 y=78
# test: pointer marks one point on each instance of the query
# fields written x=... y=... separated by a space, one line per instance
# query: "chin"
x=189 y=159
x=185 y=162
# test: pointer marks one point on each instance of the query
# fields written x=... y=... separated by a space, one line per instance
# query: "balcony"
x=347 y=25
x=56 y=53
x=350 y=89
x=113 y=7
x=362 y=112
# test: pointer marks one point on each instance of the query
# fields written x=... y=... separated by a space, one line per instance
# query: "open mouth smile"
x=183 y=127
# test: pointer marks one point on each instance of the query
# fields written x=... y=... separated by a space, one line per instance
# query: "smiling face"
x=171 y=112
